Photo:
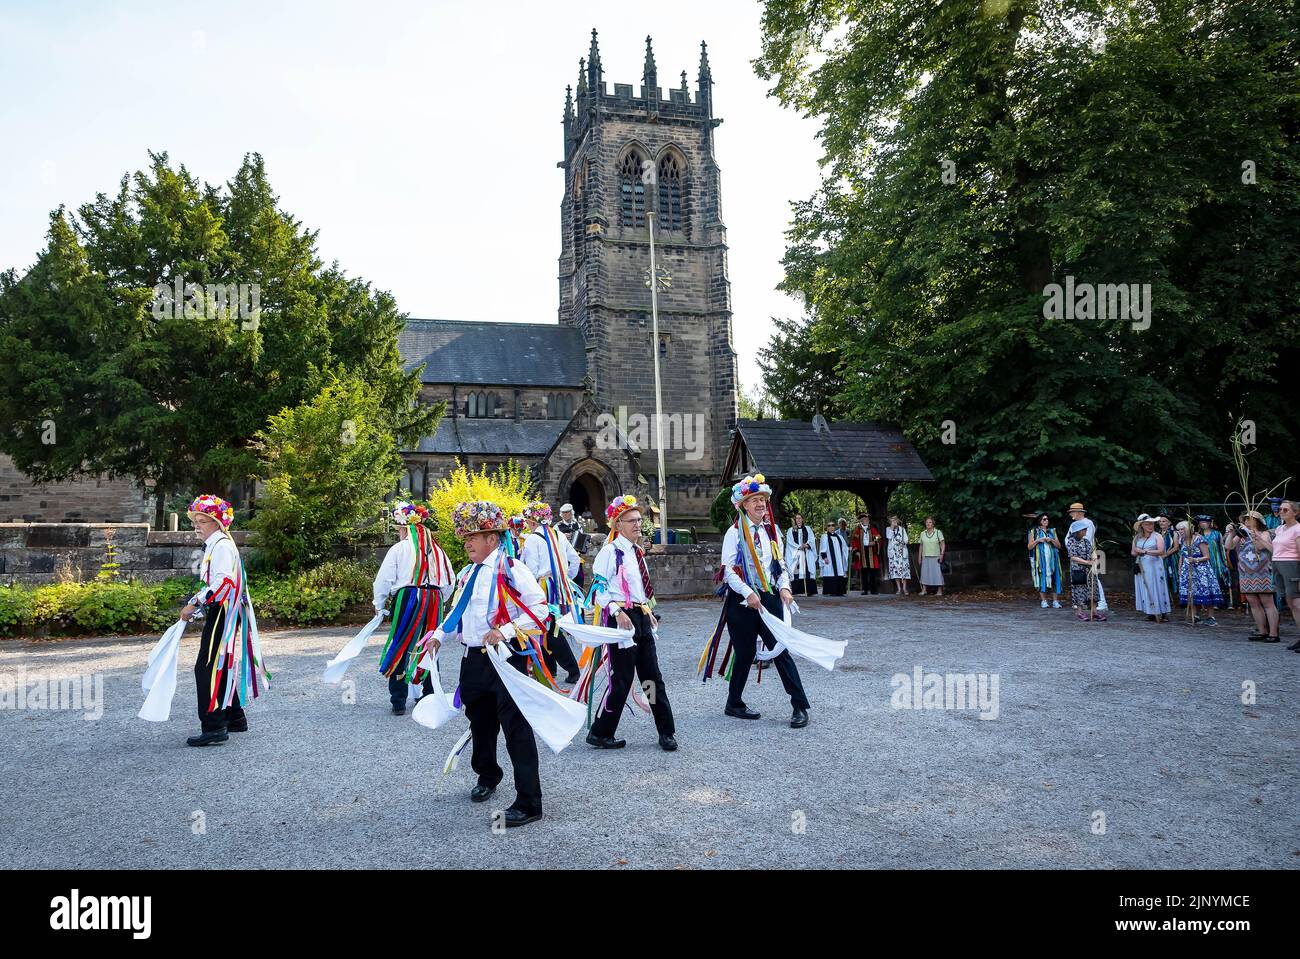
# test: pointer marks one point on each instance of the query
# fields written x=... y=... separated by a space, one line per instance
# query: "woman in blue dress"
x=1150 y=587
x=1196 y=575
x=1045 y=560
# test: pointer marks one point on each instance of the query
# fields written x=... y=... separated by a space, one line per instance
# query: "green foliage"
x=329 y=464
x=721 y=513
x=130 y=391
x=16 y=608
x=313 y=596
x=1113 y=162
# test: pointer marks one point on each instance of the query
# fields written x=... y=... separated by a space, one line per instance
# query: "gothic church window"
x=670 y=192
x=631 y=177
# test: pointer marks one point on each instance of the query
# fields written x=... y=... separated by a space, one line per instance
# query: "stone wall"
x=80 y=501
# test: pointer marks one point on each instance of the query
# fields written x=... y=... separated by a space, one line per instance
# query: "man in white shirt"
x=553 y=561
x=477 y=621
x=417 y=574
x=756 y=579
x=626 y=596
x=221 y=596
x=801 y=557
x=834 y=554
x=1077 y=512
x=576 y=534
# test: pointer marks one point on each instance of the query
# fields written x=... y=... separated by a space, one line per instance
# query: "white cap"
x=566 y=508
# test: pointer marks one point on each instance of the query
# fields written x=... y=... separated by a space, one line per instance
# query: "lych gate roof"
x=797 y=450
x=489 y=437
x=494 y=354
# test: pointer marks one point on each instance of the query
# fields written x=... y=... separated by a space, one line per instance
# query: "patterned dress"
x=1045 y=561
x=1204 y=584
x=899 y=567
x=1082 y=595
x=1254 y=568
x=1150 y=588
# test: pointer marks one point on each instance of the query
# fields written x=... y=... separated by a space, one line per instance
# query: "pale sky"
x=420 y=139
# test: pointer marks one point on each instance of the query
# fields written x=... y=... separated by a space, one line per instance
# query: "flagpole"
x=659 y=400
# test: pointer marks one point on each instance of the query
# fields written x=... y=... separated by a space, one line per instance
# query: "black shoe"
x=517 y=817
x=800 y=719
x=741 y=712
x=1258 y=638
x=1270 y=639
x=399 y=710
x=604 y=742
x=572 y=678
x=208 y=739
x=1294 y=647
x=481 y=793
x=1151 y=619
x=238 y=726
x=668 y=744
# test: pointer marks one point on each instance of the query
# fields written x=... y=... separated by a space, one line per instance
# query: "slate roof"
x=794 y=450
x=494 y=354
x=490 y=437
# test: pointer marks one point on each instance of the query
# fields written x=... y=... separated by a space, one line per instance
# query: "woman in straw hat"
x=1249 y=537
x=1150 y=588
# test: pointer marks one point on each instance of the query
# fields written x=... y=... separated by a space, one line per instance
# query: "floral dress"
x=1082 y=595
x=1204 y=583
x=899 y=567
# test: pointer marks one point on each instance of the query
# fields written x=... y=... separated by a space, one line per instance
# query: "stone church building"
x=539 y=392
x=535 y=392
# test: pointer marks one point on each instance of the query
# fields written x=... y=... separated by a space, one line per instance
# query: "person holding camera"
x=1249 y=537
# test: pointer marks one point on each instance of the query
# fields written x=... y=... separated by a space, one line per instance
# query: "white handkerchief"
x=553 y=717
x=337 y=666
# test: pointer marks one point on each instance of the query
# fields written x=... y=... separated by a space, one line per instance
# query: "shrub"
x=510 y=486
x=16 y=608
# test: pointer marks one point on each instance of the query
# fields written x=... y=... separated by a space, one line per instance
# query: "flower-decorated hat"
x=538 y=512
x=516 y=524
x=214 y=507
x=619 y=506
x=749 y=486
x=479 y=516
x=404 y=512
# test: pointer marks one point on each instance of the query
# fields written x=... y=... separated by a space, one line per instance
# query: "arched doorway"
x=589 y=485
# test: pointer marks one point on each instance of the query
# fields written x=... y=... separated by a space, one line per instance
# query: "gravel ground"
x=1137 y=728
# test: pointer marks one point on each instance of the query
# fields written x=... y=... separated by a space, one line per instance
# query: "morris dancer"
x=834 y=553
x=755 y=578
x=417 y=574
x=801 y=547
x=480 y=617
x=866 y=554
x=624 y=591
x=229 y=664
x=573 y=531
x=553 y=561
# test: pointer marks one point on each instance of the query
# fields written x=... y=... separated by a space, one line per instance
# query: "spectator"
x=1286 y=561
x=932 y=549
x=1150 y=587
x=900 y=568
x=1080 y=515
x=1045 y=560
x=1255 y=572
x=1197 y=584
x=1083 y=570
x=833 y=551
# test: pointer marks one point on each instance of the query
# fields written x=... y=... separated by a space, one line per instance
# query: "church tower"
x=627 y=154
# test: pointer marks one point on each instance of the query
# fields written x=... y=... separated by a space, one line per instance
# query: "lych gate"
x=866 y=459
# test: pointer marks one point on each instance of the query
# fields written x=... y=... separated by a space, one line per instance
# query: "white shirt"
x=801 y=556
x=834 y=555
x=474 y=624
x=614 y=594
x=537 y=550
x=220 y=562
x=398 y=565
x=762 y=546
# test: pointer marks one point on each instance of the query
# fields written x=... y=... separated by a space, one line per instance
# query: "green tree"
x=977 y=152
x=329 y=463
x=171 y=394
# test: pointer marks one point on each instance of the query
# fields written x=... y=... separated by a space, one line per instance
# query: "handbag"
x=1078 y=576
x=945 y=567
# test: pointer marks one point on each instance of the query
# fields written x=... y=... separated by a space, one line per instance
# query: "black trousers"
x=833 y=585
x=218 y=719
x=804 y=585
x=398 y=688
x=642 y=659
x=490 y=710
x=870 y=580
x=559 y=653
x=744 y=626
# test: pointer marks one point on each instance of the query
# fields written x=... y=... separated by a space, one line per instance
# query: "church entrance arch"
x=590 y=485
